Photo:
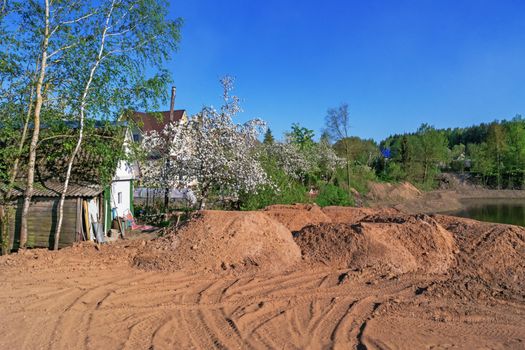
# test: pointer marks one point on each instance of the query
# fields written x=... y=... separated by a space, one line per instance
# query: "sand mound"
x=223 y=241
x=400 y=244
x=386 y=192
x=492 y=256
x=351 y=215
x=297 y=216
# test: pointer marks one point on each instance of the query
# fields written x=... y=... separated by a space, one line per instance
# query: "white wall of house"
x=121 y=196
x=124 y=171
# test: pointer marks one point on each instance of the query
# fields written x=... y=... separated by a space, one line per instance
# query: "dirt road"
x=70 y=305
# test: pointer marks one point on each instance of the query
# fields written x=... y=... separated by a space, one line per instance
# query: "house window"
x=119 y=197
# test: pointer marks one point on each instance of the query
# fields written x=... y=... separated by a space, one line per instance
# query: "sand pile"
x=386 y=192
x=223 y=241
x=492 y=256
x=297 y=216
x=399 y=243
x=351 y=215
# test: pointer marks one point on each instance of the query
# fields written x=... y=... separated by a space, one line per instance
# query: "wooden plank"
x=42 y=222
x=86 y=219
x=78 y=223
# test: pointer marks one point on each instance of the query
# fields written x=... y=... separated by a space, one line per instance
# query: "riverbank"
x=407 y=198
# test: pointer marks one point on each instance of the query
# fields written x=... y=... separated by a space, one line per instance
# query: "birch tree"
x=48 y=31
x=338 y=127
x=128 y=34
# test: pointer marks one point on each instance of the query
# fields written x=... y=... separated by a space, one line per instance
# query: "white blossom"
x=209 y=151
x=297 y=164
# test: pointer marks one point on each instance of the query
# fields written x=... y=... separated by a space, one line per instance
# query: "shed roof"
x=55 y=188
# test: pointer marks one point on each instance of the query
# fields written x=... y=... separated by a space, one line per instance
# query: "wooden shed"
x=100 y=189
x=84 y=204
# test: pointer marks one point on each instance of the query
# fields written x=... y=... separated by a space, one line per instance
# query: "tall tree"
x=268 y=137
x=45 y=32
x=405 y=153
x=18 y=72
x=338 y=127
x=432 y=150
x=514 y=159
x=48 y=32
x=481 y=163
x=119 y=41
x=301 y=136
x=496 y=144
x=210 y=153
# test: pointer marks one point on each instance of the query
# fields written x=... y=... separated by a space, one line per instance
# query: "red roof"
x=148 y=122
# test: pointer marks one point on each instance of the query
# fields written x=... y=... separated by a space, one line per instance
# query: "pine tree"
x=268 y=137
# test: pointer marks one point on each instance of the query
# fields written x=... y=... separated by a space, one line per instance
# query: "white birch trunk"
x=81 y=127
x=36 y=132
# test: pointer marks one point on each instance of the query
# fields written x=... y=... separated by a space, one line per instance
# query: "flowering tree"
x=209 y=153
x=287 y=157
x=317 y=161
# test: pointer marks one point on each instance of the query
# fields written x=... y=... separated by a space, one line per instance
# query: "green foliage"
x=6 y=217
x=494 y=153
x=416 y=157
x=268 y=137
x=285 y=190
x=360 y=176
x=302 y=137
x=359 y=151
x=481 y=162
x=393 y=172
x=457 y=158
x=333 y=195
x=10 y=134
x=105 y=58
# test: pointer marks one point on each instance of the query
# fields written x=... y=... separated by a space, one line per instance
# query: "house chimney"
x=172 y=106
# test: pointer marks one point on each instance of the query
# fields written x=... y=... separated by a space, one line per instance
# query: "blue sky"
x=396 y=63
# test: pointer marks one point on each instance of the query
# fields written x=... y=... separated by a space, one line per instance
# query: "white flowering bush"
x=209 y=153
x=288 y=158
x=319 y=161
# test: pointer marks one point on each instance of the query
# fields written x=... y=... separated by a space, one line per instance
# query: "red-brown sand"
x=229 y=280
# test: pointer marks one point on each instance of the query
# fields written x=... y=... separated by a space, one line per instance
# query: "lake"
x=505 y=211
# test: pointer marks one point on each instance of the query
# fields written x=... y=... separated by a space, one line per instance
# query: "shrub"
x=333 y=195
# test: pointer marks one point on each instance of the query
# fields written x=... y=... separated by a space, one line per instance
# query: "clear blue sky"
x=396 y=63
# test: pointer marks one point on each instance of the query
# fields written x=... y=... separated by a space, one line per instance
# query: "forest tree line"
x=492 y=153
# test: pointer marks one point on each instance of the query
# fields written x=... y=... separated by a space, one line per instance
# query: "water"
x=505 y=211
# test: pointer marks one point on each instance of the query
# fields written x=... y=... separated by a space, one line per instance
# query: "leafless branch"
x=61 y=49
x=81 y=18
x=72 y=21
x=122 y=32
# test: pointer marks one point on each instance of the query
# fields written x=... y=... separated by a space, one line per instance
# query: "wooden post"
x=100 y=216
x=78 y=225
x=86 y=219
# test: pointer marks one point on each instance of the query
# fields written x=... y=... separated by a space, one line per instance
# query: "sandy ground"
x=119 y=307
x=94 y=298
